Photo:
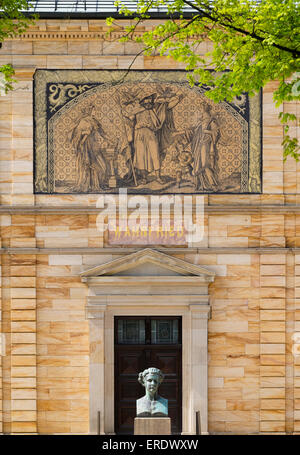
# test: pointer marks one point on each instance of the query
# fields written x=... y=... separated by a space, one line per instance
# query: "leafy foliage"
x=257 y=41
x=12 y=23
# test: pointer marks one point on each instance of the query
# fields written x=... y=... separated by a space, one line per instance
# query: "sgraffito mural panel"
x=147 y=131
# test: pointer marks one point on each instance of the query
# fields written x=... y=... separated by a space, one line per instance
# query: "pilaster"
x=199 y=372
x=95 y=315
x=272 y=343
x=296 y=348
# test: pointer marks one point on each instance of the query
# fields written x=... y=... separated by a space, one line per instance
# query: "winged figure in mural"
x=91 y=165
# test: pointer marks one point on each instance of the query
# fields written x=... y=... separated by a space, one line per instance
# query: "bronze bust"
x=151 y=404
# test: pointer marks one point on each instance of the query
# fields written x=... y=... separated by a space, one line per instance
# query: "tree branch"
x=253 y=35
x=160 y=42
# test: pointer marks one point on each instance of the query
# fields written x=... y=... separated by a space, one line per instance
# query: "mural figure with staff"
x=147 y=118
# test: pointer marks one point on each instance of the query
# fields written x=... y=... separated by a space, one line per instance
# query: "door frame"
x=194 y=311
x=167 y=286
x=156 y=347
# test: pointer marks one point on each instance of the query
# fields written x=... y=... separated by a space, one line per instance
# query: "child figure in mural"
x=86 y=138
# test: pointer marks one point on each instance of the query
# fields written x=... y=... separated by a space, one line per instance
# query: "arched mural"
x=149 y=132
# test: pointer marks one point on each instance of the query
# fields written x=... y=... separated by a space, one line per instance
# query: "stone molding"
x=194 y=357
x=129 y=250
x=211 y=209
x=72 y=35
x=195 y=302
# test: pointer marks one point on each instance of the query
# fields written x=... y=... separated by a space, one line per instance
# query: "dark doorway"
x=140 y=343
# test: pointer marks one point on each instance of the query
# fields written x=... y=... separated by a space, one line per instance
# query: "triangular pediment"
x=164 y=263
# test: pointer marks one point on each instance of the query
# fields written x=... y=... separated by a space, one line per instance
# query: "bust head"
x=151 y=379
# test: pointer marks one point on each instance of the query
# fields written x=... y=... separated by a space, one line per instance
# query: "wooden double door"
x=140 y=343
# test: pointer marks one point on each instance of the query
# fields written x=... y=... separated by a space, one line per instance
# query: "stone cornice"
x=173 y=250
x=211 y=209
x=82 y=29
x=196 y=303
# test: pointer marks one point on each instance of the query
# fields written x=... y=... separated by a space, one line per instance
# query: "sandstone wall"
x=252 y=242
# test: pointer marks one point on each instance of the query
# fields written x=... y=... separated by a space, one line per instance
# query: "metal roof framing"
x=93 y=9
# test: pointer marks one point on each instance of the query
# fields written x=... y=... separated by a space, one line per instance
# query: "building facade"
x=68 y=291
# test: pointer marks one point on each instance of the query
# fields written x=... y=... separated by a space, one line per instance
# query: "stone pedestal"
x=152 y=425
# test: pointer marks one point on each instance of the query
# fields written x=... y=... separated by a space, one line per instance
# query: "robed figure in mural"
x=91 y=167
x=151 y=120
x=203 y=146
x=146 y=146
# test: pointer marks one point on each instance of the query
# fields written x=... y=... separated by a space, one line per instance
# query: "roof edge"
x=103 y=15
